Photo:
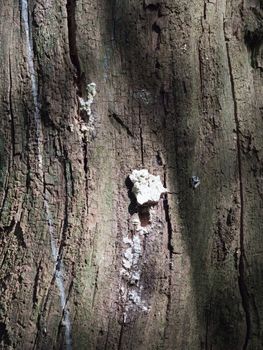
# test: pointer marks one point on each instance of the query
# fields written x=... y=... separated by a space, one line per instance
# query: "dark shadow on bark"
x=195 y=212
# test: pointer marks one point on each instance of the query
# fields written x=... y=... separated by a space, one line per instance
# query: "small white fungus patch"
x=195 y=181
x=132 y=253
x=127 y=240
x=85 y=105
x=146 y=187
x=135 y=277
x=135 y=297
x=137 y=250
x=128 y=254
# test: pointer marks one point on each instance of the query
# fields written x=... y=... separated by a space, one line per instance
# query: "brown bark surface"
x=179 y=92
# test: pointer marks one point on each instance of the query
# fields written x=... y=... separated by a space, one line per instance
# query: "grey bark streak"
x=241 y=267
x=60 y=327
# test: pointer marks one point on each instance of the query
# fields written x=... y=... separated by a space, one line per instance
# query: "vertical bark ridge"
x=241 y=266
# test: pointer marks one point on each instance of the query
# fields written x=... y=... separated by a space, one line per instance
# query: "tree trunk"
x=178 y=92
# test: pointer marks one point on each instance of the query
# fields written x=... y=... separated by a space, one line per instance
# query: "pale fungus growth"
x=127 y=240
x=147 y=188
x=85 y=105
x=135 y=277
x=135 y=298
x=195 y=181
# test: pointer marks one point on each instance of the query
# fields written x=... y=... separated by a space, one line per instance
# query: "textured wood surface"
x=179 y=92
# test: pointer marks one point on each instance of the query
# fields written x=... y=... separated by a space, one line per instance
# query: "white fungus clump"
x=86 y=105
x=195 y=181
x=146 y=187
x=135 y=298
x=91 y=89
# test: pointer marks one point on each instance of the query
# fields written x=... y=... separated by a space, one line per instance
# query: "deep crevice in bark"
x=201 y=72
x=19 y=234
x=241 y=267
x=121 y=123
x=152 y=7
x=6 y=190
x=42 y=314
x=121 y=334
x=95 y=288
x=35 y=286
x=86 y=168
x=169 y=225
x=11 y=109
x=4 y=335
x=169 y=247
x=73 y=51
x=72 y=180
x=141 y=136
x=205 y=9
x=65 y=221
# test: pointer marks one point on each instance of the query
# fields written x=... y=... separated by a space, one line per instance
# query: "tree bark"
x=179 y=92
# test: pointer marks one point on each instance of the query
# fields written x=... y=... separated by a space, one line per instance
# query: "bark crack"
x=65 y=221
x=11 y=109
x=36 y=284
x=241 y=267
x=141 y=136
x=205 y=9
x=41 y=319
x=201 y=70
x=73 y=51
x=107 y=336
x=95 y=288
x=169 y=247
x=86 y=168
x=121 y=334
x=122 y=124
x=5 y=194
